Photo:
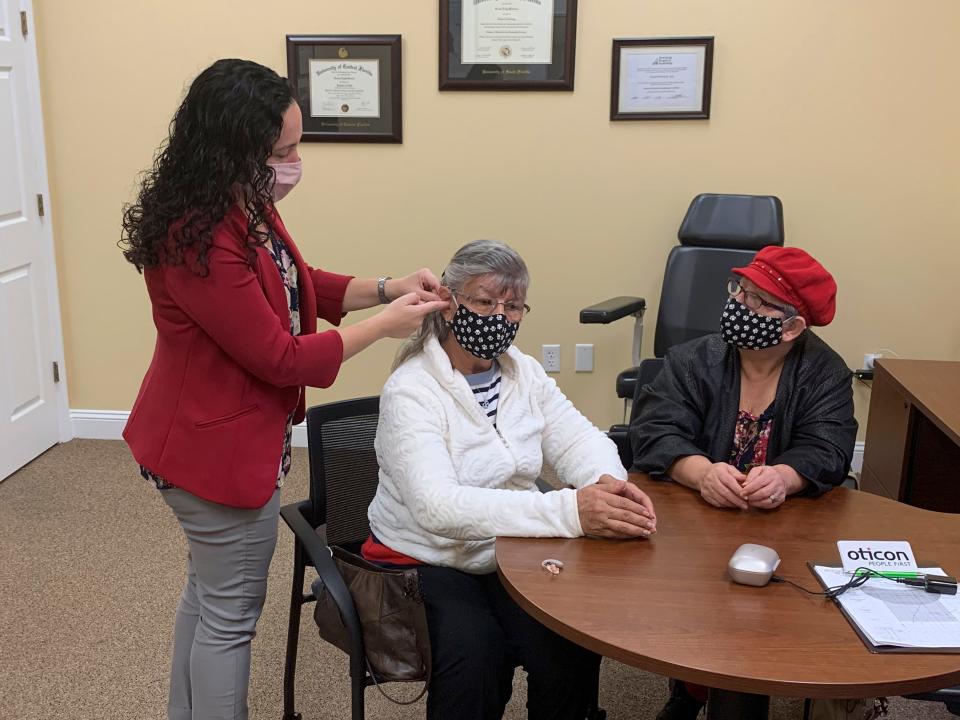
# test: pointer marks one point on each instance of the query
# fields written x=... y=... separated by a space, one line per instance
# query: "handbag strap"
x=426 y=686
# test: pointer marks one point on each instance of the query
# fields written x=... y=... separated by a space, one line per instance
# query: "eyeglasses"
x=754 y=301
x=488 y=306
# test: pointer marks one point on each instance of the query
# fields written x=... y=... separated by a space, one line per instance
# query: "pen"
x=893 y=575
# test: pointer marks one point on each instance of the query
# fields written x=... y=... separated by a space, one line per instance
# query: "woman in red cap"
x=756 y=413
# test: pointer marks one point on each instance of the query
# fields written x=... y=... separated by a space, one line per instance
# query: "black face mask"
x=485 y=337
x=742 y=327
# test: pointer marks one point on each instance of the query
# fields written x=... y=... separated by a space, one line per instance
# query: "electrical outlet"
x=869 y=358
x=584 y=358
x=550 y=358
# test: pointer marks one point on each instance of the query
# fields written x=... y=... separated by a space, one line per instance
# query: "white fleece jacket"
x=450 y=482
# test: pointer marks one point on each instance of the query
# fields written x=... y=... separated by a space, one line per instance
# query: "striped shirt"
x=486 y=390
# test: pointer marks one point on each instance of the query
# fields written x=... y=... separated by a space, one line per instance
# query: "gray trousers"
x=227 y=565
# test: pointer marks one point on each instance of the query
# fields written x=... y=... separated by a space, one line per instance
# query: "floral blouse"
x=750 y=439
x=288 y=274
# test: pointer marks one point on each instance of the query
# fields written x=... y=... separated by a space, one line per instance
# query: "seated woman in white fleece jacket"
x=466 y=424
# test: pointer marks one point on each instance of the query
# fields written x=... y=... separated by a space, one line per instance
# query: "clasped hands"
x=764 y=486
x=614 y=508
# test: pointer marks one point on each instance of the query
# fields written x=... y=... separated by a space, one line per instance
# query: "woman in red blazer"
x=236 y=311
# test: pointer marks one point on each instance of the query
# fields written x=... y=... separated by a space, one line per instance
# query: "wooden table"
x=912 y=449
x=667 y=605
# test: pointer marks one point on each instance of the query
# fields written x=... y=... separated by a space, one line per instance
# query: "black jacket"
x=691 y=409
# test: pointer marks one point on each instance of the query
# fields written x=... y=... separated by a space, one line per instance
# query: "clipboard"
x=860 y=634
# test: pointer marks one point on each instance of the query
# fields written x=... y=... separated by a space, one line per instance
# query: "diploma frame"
x=703 y=46
x=557 y=75
x=384 y=122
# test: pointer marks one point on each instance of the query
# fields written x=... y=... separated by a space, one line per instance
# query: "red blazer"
x=212 y=410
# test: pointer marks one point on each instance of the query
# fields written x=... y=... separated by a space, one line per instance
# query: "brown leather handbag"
x=393 y=620
x=863 y=709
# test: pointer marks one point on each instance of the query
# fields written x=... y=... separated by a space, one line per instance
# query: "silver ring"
x=774 y=497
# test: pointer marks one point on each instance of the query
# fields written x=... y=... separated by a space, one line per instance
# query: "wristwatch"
x=382 y=289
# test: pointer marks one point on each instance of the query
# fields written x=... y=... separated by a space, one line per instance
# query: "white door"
x=29 y=399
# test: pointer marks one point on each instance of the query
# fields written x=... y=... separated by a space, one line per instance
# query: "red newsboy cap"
x=793 y=276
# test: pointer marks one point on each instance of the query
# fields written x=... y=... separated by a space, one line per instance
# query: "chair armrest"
x=950 y=697
x=627 y=383
x=543 y=486
x=319 y=555
x=613 y=309
x=620 y=434
x=295 y=516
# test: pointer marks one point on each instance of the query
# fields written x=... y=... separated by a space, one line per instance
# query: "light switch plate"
x=584 y=358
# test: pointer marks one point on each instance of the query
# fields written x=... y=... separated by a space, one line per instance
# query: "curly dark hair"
x=220 y=139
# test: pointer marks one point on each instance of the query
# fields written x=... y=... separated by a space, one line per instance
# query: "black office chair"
x=950 y=697
x=718 y=232
x=343 y=481
x=344 y=475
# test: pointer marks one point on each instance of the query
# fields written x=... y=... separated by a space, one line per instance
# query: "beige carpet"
x=91 y=564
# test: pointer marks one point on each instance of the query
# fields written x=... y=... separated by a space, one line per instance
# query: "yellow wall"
x=846 y=110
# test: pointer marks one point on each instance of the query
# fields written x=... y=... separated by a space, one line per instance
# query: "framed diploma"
x=507 y=44
x=661 y=78
x=348 y=86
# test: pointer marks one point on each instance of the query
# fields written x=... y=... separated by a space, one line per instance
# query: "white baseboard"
x=299 y=438
x=98 y=424
x=857 y=463
x=108 y=425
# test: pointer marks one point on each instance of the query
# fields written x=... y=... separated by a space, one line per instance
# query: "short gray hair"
x=475 y=259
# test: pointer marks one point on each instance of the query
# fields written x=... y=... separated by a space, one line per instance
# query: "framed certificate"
x=348 y=86
x=661 y=78
x=507 y=44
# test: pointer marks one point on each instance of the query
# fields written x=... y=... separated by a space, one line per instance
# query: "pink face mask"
x=286 y=175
